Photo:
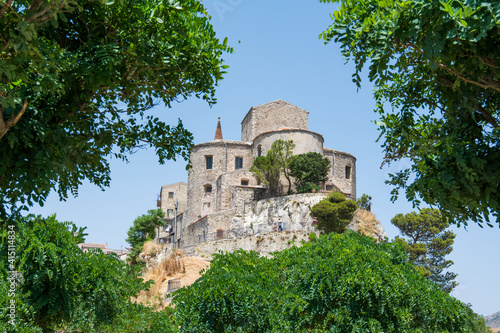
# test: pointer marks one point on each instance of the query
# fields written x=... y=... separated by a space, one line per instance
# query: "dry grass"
x=367 y=222
x=150 y=247
x=173 y=264
x=154 y=297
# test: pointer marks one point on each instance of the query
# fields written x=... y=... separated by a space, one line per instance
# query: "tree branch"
x=5 y=7
x=5 y=125
x=487 y=84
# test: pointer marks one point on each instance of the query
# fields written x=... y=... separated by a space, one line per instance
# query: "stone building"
x=173 y=202
x=220 y=183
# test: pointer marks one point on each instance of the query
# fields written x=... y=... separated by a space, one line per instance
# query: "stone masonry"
x=220 y=184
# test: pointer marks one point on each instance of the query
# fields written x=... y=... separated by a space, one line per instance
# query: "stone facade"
x=170 y=195
x=220 y=186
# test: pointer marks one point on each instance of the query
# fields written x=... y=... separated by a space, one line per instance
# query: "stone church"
x=220 y=183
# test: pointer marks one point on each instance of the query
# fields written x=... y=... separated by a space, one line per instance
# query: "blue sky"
x=279 y=56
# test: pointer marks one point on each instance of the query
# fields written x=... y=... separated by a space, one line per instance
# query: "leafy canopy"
x=309 y=170
x=334 y=213
x=428 y=243
x=59 y=287
x=338 y=283
x=364 y=202
x=282 y=152
x=437 y=65
x=77 y=79
x=268 y=169
x=142 y=230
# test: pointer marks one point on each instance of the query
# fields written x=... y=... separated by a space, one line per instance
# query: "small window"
x=244 y=182
x=219 y=234
x=259 y=150
x=170 y=212
x=238 y=163
x=209 y=161
x=170 y=195
x=329 y=188
x=347 y=172
x=208 y=189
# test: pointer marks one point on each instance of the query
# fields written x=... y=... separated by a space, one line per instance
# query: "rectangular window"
x=208 y=189
x=244 y=182
x=170 y=195
x=329 y=188
x=208 y=161
x=238 y=163
x=347 y=172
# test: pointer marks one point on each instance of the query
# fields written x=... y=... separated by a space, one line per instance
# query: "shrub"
x=334 y=213
x=65 y=288
x=340 y=283
x=309 y=170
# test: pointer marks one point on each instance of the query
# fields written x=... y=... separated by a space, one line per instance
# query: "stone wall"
x=179 y=193
x=223 y=152
x=305 y=141
x=272 y=116
x=263 y=244
x=226 y=183
x=341 y=162
x=250 y=217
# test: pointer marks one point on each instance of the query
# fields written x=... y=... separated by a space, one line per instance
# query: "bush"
x=308 y=187
x=309 y=170
x=339 y=283
x=334 y=213
x=364 y=202
x=63 y=287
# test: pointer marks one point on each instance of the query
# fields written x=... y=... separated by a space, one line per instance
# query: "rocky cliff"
x=259 y=220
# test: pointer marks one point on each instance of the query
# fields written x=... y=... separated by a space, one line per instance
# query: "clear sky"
x=279 y=57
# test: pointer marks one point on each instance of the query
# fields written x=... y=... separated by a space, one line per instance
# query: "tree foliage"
x=334 y=213
x=428 y=243
x=77 y=79
x=309 y=170
x=282 y=151
x=59 y=287
x=364 y=202
x=268 y=169
x=143 y=229
x=437 y=64
x=338 y=283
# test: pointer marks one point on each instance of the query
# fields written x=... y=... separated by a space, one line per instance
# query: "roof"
x=278 y=101
x=218 y=131
x=92 y=246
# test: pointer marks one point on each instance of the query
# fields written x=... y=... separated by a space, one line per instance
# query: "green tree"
x=60 y=287
x=282 y=151
x=334 y=213
x=142 y=230
x=77 y=79
x=338 y=283
x=309 y=170
x=428 y=243
x=268 y=169
x=364 y=202
x=437 y=65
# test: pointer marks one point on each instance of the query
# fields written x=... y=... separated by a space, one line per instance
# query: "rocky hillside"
x=363 y=222
x=493 y=321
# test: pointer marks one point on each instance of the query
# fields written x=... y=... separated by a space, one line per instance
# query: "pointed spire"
x=218 y=131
